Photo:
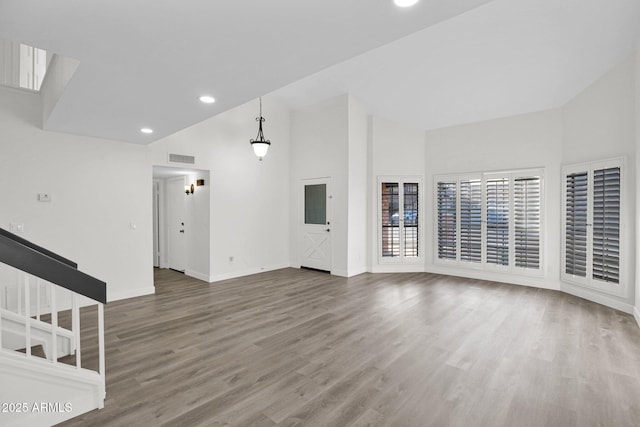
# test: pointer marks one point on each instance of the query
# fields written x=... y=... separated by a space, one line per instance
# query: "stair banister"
x=34 y=263
x=38 y=262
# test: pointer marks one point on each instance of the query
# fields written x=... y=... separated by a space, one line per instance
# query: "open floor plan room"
x=385 y=213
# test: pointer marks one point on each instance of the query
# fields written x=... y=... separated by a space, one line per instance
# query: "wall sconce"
x=189 y=189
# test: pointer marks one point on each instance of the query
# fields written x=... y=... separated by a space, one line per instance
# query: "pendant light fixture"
x=260 y=145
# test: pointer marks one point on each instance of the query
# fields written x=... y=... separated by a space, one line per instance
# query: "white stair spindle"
x=21 y=276
x=38 y=299
x=101 y=361
x=1 y=299
x=27 y=316
x=54 y=325
x=75 y=328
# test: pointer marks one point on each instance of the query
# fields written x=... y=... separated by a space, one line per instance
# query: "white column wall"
x=319 y=148
x=357 y=222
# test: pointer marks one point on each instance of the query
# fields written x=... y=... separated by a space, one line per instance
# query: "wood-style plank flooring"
x=303 y=348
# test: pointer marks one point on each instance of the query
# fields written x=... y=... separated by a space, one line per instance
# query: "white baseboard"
x=513 y=279
x=131 y=293
x=340 y=273
x=197 y=275
x=636 y=315
x=356 y=271
x=598 y=298
x=247 y=272
x=397 y=268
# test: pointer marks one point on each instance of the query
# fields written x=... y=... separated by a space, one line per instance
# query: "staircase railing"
x=40 y=271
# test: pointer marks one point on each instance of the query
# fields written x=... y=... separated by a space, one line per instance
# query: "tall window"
x=490 y=220
x=399 y=219
x=592 y=223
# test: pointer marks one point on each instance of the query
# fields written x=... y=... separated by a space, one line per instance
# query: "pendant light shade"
x=260 y=148
x=260 y=145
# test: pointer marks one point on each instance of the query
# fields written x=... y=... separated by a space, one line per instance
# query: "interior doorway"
x=182 y=200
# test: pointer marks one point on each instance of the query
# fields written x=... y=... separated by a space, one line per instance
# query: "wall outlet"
x=44 y=197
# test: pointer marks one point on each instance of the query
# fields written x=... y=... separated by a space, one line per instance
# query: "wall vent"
x=181 y=158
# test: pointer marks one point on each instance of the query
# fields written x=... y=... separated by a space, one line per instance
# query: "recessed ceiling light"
x=146 y=130
x=405 y=3
x=207 y=99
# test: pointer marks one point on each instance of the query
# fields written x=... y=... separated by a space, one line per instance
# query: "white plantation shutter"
x=606 y=224
x=491 y=221
x=497 y=218
x=471 y=220
x=390 y=200
x=576 y=224
x=526 y=196
x=447 y=219
x=411 y=219
x=593 y=236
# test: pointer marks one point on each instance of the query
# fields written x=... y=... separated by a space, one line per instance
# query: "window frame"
x=483 y=265
x=618 y=289
x=401 y=180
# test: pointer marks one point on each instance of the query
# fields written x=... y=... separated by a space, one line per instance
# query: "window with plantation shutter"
x=497 y=217
x=526 y=211
x=592 y=237
x=447 y=220
x=471 y=220
x=490 y=221
x=399 y=201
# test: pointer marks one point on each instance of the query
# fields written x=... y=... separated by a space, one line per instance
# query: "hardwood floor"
x=294 y=347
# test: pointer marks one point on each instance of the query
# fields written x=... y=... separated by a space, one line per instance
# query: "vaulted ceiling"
x=439 y=63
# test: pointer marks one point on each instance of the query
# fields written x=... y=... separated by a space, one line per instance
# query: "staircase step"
x=36 y=351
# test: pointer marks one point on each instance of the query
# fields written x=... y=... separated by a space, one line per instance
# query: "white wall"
x=394 y=150
x=60 y=71
x=198 y=227
x=519 y=142
x=600 y=124
x=163 y=241
x=249 y=199
x=637 y=182
x=357 y=181
x=99 y=189
x=319 y=148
